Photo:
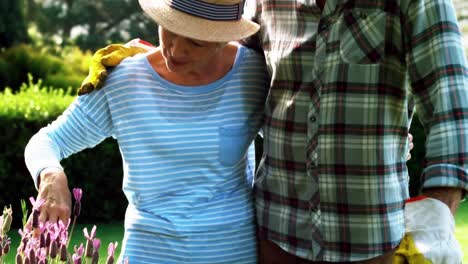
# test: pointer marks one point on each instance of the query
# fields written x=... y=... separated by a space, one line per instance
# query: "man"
x=332 y=182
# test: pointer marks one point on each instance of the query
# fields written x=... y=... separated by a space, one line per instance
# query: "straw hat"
x=207 y=20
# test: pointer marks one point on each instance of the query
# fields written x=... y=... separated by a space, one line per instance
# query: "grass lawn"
x=461 y=231
x=114 y=232
x=105 y=232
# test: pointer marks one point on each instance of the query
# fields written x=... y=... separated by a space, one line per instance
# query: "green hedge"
x=60 y=70
x=97 y=171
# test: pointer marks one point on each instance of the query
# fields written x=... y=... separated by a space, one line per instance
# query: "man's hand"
x=429 y=234
x=408 y=253
x=110 y=56
x=450 y=196
x=53 y=188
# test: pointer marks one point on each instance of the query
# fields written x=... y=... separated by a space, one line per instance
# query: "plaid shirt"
x=333 y=178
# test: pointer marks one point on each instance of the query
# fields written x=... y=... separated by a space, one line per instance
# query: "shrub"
x=67 y=69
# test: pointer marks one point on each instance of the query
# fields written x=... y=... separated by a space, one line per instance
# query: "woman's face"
x=183 y=54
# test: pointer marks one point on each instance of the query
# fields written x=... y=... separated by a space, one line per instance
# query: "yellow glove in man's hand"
x=408 y=253
x=110 y=56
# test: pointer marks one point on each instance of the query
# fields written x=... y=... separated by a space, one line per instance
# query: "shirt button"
x=322 y=26
x=313 y=119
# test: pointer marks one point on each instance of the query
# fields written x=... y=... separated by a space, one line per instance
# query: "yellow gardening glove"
x=407 y=253
x=110 y=56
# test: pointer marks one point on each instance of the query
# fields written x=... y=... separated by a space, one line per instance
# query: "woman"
x=184 y=116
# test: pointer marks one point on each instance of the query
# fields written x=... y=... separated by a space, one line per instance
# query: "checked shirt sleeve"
x=439 y=78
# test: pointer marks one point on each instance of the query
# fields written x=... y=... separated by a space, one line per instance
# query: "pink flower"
x=111 y=248
x=89 y=241
x=78 y=254
x=63 y=252
x=95 y=255
x=111 y=252
x=36 y=207
x=77 y=193
x=79 y=250
x=76 y=259
x=53 y=249
x=96 y=244
x=93 y=233
x=46 y=241
x=36 y=204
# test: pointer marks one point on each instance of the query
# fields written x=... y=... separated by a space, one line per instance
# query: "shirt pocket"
x=363 y=36
x=233 y=144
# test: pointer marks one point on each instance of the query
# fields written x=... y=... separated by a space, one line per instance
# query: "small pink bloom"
x=63 y=252
x=111 y=248
x=36 y=204
x=77 y=193
x=76 y=259
x=93 y=233
x=79 y=250
x=96 y=244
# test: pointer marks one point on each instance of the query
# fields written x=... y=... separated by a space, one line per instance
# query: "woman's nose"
x=179 y=47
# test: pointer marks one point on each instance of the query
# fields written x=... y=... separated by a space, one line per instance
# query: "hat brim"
x=197 y=28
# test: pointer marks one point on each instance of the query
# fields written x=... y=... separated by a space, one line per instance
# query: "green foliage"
x=96 y=23
x=34 y=101
x=67 y=69
x=25 y=212
x=461 y=228
x=13 y=26
x=97 y=171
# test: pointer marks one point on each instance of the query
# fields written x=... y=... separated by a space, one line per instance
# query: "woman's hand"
x=53 y=188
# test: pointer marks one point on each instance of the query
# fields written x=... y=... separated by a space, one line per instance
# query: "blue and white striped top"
x=186 y=158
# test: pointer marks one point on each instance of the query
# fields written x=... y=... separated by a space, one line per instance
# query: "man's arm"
x=449 y=195
x=110 y=56
x=439 y=82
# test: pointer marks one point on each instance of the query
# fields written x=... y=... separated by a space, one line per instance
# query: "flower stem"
x=71 y=231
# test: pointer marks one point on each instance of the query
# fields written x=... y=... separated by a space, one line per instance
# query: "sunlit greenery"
x=34 y=100
x=461 y=231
